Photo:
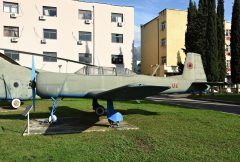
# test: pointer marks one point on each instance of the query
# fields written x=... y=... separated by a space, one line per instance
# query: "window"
x=117 y=59
x=49 y=11
x=50 y=33
x=85 y=36
x=228 y=32
x=12 y=54
x=10 y=7
x=85 y=58
x=228 y=64
x=163 y=60
x=117 y=38
x=46 y=57
x=11 y=31
x=163 y=42
x=85 y=14
x=163 y=25
x=117 y=17
x=227 y=48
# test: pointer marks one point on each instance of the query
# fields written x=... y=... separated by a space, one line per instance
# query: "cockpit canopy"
x=99 y=70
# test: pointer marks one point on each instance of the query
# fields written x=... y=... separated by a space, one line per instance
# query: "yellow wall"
x=151 y=48
x=162 y=35
x=176 y=28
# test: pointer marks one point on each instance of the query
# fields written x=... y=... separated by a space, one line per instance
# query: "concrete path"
x=198 y=104
x=72 y=125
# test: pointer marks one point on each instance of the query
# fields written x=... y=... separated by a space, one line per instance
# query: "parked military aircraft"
x=14 y=81
x=98 y=83
x=14 y=78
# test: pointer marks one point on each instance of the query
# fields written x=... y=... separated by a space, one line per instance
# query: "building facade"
x=162 y=41
x=92 y=33
x=227 y=26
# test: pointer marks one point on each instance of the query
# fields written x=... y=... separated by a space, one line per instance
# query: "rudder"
x=193 y=68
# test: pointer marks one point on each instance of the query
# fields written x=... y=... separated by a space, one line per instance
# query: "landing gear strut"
x=114 y=117
x=99 y=109
x=53 y=118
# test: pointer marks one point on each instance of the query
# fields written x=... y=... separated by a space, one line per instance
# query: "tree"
x=179 y=63
x=212 y=43
x=190 y=35
x=201 y=28
x=235 y=44
x=221 y=41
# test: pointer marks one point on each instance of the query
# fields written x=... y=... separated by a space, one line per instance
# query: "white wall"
x=66 y=23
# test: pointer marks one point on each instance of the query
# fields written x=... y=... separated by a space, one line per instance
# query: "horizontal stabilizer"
x=131 y=92
x=211 y=83
x=202 y=86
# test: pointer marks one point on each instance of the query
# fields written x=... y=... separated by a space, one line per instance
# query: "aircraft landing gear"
x=16 y=103
x=53 y=118
x=114 y=117
x=99 y=109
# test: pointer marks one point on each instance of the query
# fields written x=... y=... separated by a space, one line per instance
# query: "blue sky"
x=145 y=10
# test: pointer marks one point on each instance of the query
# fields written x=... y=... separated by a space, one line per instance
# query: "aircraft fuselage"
x=75 y=85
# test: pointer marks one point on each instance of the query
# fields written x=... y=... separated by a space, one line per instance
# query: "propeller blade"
x=34 y=99
x=33 y=68
x=33 y=84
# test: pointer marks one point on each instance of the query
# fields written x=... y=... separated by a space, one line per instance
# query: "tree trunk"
x=237 y=90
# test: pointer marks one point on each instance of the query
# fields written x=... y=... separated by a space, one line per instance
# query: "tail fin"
x=193 y=68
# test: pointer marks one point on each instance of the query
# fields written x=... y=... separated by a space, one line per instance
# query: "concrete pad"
x=72 y=125
x=9 y=109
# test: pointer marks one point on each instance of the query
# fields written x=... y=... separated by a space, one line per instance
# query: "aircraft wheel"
x=16 y=103
x=52 y=119
x=100 y=111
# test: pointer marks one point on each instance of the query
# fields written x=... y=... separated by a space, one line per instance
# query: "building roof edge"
x=159 y=14
x=143 y=25
x=105 y=4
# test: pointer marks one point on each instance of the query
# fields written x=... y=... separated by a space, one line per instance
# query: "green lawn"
x=167 y=133
x=224 y=97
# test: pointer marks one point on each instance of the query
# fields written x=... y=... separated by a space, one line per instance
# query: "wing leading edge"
x=130 y=92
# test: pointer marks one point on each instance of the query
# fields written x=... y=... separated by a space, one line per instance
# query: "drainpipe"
x=93 y=35
x=158 y=44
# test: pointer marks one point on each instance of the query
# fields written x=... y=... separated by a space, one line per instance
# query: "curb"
x=214 y=100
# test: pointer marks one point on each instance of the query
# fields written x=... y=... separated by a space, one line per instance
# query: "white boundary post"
x=27 y=113
x=28 y=123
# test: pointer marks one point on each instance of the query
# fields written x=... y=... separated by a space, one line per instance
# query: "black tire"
x=100 y=111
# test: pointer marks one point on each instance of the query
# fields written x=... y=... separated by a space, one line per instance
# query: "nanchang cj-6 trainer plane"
x=102 y=84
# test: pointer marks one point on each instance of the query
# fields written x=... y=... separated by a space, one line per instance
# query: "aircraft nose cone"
x=32 y=83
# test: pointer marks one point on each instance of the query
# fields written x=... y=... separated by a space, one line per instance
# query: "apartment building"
x=92 y=33
x=162 y=42
x=228 y=49
x=163 y=39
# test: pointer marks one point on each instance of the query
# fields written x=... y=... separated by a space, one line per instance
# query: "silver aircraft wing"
x=8 y=59
x=130 y=92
